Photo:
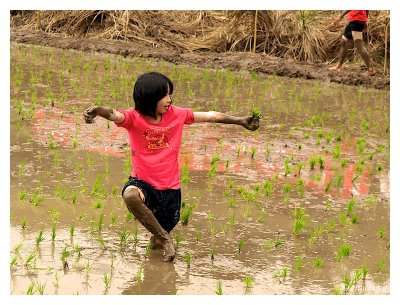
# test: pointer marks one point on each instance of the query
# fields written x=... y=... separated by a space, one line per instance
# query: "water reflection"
x=157 y=278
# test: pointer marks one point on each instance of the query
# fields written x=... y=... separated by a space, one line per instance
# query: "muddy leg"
x=360 y=45
x=137 y=207
x=342 y=54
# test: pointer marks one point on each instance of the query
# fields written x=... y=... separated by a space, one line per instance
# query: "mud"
x=67 y=175
x=236 y=61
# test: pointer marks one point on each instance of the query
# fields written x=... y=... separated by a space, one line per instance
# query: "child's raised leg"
x=133 y=198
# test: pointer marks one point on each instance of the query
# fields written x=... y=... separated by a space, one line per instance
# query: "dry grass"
x=298 y=35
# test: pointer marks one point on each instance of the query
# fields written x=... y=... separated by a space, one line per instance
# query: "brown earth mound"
x=233 y=60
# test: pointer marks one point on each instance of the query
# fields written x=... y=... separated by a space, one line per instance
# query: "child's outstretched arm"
x=107 y=113
x=248 y=122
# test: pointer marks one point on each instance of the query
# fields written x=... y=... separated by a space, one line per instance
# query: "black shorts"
x=165 y=204
x=353 y=26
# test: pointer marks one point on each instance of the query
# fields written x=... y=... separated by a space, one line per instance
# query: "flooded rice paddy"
x=300 y=206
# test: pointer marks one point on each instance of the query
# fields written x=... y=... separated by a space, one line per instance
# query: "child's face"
x=163 y=104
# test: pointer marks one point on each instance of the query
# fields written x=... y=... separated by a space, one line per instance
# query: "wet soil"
x=261 y=63
x=54 y=185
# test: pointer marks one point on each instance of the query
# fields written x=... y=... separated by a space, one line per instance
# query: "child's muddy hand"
x=89 y=114
x=251 y=123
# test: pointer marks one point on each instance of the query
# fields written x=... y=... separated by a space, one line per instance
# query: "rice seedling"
x=337 y=290
x=100 y=222
x=354 y=219
x=185 y=172
x=321 y=162
x=281 y=274
x=347 y=282
x=186 y=212
x=350 y=205
x=113 y=219
x=379 y=167
x=30 y=260
x=218 y=290
x=39 y=238
x=330 y=226
x=336 y=151
x=13 y=263
x=17 y=248
x=248 y=282
x=344 y=250
x=342 y=217
x=72 y=230
x=299 y=263
x=64 y=255
x=74 y=197
x=30 y=290
x=56 y=280
x=360 y=144
x=36 y=198
x=129 y=216
x=318 y=262
x=197 y=234
x=187 y=259
x=214 y=166
x=22 y=195
x=288 y=169
x=380 y=265
x=313 y=161
x=381 y=232
x=213 y=251
x=343 y=163
x=364 y=271
x=23 y=223
x=107 y=281
x=299 y=220
x=139 y=275
x=148 y=248
x=178 y=239
x=240 y=245
x=299 y=167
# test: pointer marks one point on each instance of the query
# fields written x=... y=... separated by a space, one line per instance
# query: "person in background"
x=354 y=31
x=152 y=193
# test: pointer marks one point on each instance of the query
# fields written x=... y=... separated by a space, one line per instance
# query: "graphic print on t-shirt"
x=157 y=138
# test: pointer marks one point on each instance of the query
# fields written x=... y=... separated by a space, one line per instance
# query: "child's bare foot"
x=169 y=250
x=155 y=243
x=335 y=68
x=370 y=72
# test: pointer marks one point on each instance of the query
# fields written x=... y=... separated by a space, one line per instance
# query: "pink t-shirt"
x=155 y=147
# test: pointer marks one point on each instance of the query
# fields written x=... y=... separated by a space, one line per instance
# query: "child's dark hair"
x=148 y=90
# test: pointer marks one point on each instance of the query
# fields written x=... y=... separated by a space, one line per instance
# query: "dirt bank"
x=263 y=64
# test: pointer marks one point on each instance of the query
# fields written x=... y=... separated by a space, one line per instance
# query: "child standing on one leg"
x=152 y=193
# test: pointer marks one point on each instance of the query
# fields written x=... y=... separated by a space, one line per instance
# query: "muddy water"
x=66 y=178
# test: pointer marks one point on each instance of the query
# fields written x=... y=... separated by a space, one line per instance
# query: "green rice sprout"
x=197 y=234
x=240 y=245
x=218 y=289
x=336 y=151
x=148 y=249
x=30 y=260
x=178 y=239
x=56 y=280
x=299 y=263
x=313 y=161
x=350 y=205
x=139 y=275
x=106 y=281
x=381 y=232
x=380 y=265
x=321 y=162
x=39 y=238
x=248 y=282
x=186 y=212
x=256 y=113
x=17 y=248
x=299 y=220
x=318 y=262
x=13 y=262
x=100 y=223
x=72 y=230
x=187 y=258
x=343 y=251
x=30 y=289
x=23 y=223
x=113 y=219
x=53 y=231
